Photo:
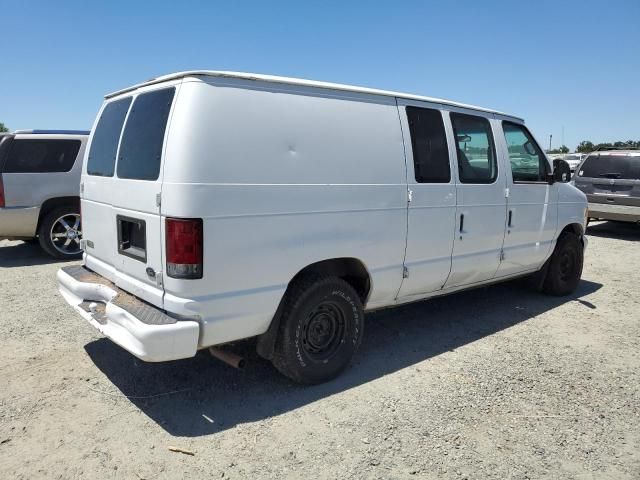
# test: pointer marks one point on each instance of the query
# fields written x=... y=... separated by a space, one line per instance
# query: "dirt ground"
x=499 y=382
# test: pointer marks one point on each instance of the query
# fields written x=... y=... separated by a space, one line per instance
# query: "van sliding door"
x=432 y=199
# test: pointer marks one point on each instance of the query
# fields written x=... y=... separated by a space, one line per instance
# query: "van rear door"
x=121 y=191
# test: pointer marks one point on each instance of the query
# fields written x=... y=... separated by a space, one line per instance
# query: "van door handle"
x=510 y=217
x=461 y=222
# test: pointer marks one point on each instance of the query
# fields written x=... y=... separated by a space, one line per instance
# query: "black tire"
x=320 y=329
x=48 y=244
x=565 y=266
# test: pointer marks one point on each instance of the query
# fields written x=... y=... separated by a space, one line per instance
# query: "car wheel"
x=320 y=329
x=60 y=233
x=565 y=266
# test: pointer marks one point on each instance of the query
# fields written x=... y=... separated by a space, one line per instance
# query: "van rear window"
x=104 y=145
x=143 y=137
x=611 y=166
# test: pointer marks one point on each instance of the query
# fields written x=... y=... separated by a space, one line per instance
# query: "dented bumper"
x=140 y=328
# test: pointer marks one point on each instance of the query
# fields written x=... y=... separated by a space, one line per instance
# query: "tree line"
x=587 y=146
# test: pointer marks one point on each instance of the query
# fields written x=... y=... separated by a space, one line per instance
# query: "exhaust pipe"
x=230 y=358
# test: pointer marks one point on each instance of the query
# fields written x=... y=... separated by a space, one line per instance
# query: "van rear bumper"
x=140 y=328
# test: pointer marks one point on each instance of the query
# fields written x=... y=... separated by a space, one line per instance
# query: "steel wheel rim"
x=66 y=233
x=323 y=331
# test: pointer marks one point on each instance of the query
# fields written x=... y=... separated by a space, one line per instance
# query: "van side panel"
x=283 y=177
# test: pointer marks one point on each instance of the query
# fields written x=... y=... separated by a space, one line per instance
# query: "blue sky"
x=558 y=64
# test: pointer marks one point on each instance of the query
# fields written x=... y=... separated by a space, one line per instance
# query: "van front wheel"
x=565 y=266
x=320 y=329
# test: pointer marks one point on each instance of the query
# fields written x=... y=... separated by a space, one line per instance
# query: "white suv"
x=219 y=206
x=39 y=188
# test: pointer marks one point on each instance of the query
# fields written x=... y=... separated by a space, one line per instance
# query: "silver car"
x=573 y=159
x=39 y=188
x=611 y=181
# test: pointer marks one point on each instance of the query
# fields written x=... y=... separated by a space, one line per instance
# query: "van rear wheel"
x=320 y=329
x=565 y=266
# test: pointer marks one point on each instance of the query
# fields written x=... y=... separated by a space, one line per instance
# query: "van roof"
x=302 y=82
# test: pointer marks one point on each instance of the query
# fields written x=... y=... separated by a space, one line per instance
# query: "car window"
x=41 y=156
x=475 y=149
x=429 y=145
x=104 y=144
x=143 y=136
x=528 y=162
x=611 y=166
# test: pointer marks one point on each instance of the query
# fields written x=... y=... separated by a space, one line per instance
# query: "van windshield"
x=611 y=166
x=143 y=136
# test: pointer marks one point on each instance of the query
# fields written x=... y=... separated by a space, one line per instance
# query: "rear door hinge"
x=159 y=279
x=501 y=255
x=506 y=193
x=158 y=199
x=405 y=272
x=409 y=195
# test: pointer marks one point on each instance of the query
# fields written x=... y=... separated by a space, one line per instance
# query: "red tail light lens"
x=184 y=247
x=1 y=192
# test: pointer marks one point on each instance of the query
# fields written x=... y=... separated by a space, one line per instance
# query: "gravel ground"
x=499 y=383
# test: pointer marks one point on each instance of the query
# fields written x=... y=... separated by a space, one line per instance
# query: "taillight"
x=1 y=192
x=184 y=247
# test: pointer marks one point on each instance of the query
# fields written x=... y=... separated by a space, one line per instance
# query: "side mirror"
x=561 y=171
x=529 y=148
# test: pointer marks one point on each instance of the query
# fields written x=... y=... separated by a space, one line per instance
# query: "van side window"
x=104 y=144
x=143 y=136
x=41 y=156
x=476 y=151
x=528 y=163
x=429 y=145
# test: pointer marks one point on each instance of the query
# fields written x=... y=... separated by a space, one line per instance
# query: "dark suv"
x=611 y=181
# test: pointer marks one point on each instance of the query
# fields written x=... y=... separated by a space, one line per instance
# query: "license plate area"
x=132 y=238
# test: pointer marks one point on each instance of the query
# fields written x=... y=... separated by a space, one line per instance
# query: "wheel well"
x=52 y=203
x=574 y=228
x=350 y=270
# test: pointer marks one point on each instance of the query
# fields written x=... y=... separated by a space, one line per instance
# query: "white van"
x=220 y=206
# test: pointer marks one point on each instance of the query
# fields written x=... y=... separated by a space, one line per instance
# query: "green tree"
x=562 y=149
x=585 y=146
x=3 y=128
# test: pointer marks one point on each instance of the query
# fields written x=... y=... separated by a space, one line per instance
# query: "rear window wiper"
x=610 y=175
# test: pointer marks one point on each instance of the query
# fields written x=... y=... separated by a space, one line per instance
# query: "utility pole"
x=550 y=137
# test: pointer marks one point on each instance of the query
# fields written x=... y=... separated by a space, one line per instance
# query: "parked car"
x=611 y=181
x=574 y=159
x=39 y=189
x=220 y=206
